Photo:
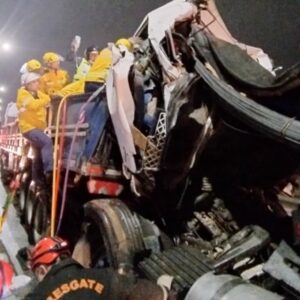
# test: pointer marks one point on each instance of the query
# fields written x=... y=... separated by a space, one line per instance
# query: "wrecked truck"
x=201 y=141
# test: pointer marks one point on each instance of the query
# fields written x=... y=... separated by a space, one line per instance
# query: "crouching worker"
x=61 y=277
x=32 y=105
x=98 y=72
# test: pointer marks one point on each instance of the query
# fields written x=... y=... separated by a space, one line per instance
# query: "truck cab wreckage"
x=179 y=165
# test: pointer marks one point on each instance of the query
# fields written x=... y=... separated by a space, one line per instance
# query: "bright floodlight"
x=6 y=47
x=2 y=88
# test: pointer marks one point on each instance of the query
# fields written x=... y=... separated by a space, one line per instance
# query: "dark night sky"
x=36 y=26
x=273 y=25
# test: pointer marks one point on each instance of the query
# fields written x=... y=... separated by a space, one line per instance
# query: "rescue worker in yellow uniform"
x=91 y=54
x=76 y=87
x=84 y=63
x=32 y=103
x=61 y=277
x=99 y=70
x=54 y=78
x=32 y=65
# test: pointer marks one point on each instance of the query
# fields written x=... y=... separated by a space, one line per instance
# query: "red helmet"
x=47 y=250
x=6 y=275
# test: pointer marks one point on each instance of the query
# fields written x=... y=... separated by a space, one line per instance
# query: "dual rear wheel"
x=34 y=207
x=116 y=236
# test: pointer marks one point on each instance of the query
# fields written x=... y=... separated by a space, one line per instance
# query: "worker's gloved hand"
x=145 y=289
x=165 y=282
x=75 y=44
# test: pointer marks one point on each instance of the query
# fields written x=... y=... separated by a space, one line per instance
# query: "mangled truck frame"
x=180 y=166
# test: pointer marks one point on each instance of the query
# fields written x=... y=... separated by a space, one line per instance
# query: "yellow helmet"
x=124 y=42
x=50 y=57
x=33 y=65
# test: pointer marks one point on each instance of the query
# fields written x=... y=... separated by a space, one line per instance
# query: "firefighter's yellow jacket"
x=97 y=73
x=99 y=69
x=74 y=87
x=32 y=111
x=53 y=81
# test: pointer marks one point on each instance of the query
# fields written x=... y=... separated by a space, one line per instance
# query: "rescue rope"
x=60 y=151
x=56 y=165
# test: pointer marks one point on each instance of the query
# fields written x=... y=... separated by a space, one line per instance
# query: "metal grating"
x=154 y=147
x=185 y=263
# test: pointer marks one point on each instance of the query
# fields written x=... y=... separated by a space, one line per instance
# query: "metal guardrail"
x=11 y=140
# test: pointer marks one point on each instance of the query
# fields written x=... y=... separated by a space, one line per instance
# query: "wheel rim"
x=40 y=222
x=22 y=199
x=29 y=207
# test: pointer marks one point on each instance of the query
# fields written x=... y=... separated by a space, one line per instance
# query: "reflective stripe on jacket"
x=82 y=70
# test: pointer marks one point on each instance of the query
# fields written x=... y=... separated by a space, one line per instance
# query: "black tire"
x=40 y=221
x=114 y=233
